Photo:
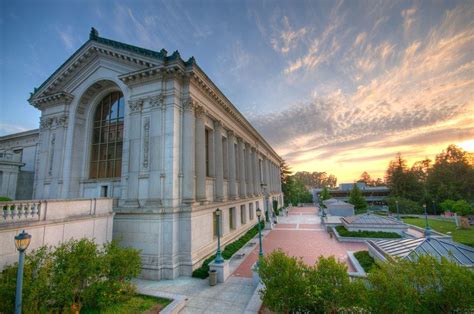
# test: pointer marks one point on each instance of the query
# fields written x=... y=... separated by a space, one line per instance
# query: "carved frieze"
x=146 y=141
x=51 y=154
x=157 y=100
x=135 y=105
x=53 y=122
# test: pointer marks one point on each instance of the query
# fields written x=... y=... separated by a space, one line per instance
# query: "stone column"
x=249 y=170
x=232 y=165
x=189 y=152
x=241 y=149
x=219 y=165
x=200 y=155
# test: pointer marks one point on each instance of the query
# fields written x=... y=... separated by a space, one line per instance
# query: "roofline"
x=19 y=134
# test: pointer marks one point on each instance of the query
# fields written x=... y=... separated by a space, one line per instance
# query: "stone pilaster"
x=241 y=149
x=135 y=107
x=154 y=186
x=249 y=170
x=189 y=152
x=200 y=155
x=219 y=165
x=232 y=165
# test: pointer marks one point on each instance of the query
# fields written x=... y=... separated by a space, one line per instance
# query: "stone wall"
x=55 y=221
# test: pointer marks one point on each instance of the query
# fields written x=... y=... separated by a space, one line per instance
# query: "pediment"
x=96 y=48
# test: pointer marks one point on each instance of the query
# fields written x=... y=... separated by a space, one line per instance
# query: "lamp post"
x=434 y=207
x=22 y=241
x=398 y=210
x=260 y=252
x=219 y=258
x=427 y=227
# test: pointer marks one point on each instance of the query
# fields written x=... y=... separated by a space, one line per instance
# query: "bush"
x=5 y=199
x=230 y=249
x=365 y=260
x=76 y=272
x=343 y=232
x=402 y=286
x=463 y=208
x=293 y=287
x=422 y=286
x=405 y=206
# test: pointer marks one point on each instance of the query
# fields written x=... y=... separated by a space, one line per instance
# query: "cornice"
x=51 y=100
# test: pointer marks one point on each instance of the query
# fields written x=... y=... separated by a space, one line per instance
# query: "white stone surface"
x=222 y=270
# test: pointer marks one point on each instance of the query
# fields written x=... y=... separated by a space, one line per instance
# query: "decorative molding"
x=51 y=100
x=51 y=154
x=190 y=104
x=199 y=111
x=157 y=100
x=136 y=105
x=146 y=141
x=54 y=121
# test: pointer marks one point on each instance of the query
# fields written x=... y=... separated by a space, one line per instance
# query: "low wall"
x=52 y=222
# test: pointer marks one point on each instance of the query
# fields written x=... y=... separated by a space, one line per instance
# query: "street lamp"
x=427 y=227
x=22 y=241
x=398 y=210
x=434 y=207
x=219 y=259
x=259 y=213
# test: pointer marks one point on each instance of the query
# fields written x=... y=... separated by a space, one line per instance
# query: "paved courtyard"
x=299 y=234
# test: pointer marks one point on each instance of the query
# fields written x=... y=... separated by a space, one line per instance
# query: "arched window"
x=107 y=137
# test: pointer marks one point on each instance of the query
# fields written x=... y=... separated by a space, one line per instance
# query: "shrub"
x=5 y=199
x=343 y=232
x=405 y=206
x=76 y=272
x=365 y=260
x=463 y=208
x=293 y=287
x=422 y=286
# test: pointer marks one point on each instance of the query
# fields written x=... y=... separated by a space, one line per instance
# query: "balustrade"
x=20 y=211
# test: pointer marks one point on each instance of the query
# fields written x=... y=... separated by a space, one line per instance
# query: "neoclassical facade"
x=153 y=132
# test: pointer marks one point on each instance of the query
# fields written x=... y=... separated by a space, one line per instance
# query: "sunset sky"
x=336 y=86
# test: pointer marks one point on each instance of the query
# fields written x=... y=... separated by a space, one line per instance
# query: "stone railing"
x=20 y=211
x=39 y=210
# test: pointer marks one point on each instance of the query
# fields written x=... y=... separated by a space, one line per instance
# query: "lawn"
x=137 y=304
x=459 y=235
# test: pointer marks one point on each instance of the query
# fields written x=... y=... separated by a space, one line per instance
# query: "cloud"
x=288 y=38
x=408 y=18
x=68 y=39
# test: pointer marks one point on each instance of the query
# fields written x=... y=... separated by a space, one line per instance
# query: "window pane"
x=107 y=137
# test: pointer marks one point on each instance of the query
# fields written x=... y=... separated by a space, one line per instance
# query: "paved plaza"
x=298 y=234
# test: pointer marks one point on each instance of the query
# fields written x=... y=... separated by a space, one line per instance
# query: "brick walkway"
x=300 y=234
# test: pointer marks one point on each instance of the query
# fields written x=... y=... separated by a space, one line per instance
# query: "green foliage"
x=324 y=195
x=447 y=205
x=365 y=260
x=203 y=271
x=343 y=232
x=295 y=191
x=136 y=304
x=463 y=208
x=76 y=272
x=357 y=199
x=316 y=179
x=403 y=182
x=405 y=206
x=294 y=287
x=5 y=199
x=402 y=286
x=423 y=286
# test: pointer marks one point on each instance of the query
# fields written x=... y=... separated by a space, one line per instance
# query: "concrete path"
x=299 y=234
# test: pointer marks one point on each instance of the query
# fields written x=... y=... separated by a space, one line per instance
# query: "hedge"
x=365 y=260
x=343 y=232
x=203 y=271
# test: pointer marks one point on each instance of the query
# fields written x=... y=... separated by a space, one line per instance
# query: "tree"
x=324 y=195
x=365 y=177
x=316 y=179
x=462 y=208
x=402 y=182
x=296 y=192
x=452 y=177
x=357 y=199
x=285 y=171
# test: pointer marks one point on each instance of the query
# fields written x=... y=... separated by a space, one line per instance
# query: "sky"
x=335 y=86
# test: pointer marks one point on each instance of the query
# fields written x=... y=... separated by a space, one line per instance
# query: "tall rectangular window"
x=243 y=215
x=207 y=134
x=237 y=165
x=232 y=218
x=251 y=211
x=260 y=168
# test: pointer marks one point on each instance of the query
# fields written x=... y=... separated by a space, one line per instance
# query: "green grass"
x=343 y=232
x=464 y=236
x=365 y=260
x=137 y=304
x=230 y=249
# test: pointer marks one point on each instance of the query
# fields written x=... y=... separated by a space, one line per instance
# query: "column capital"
x=190 y=104
x=136 y=105
x=218 y=124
